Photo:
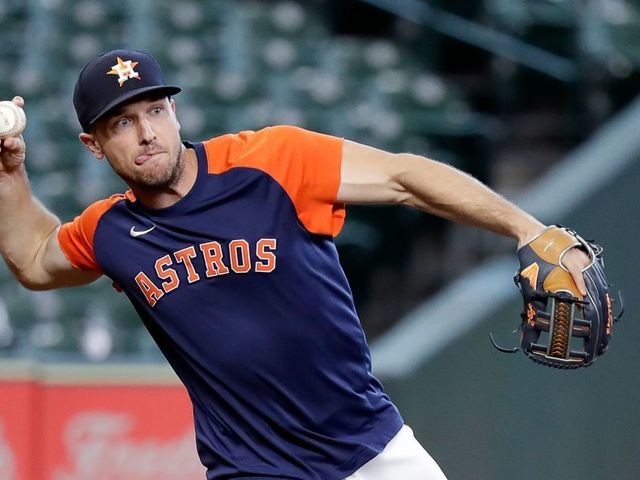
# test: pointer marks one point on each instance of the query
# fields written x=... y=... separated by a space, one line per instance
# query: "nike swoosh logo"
x=137 y=233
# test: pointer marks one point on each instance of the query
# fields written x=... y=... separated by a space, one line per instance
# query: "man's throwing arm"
x=28 y=231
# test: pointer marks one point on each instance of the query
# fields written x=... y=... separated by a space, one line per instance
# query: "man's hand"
x=575 y=261
x=12 y=149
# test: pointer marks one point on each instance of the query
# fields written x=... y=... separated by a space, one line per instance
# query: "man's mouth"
x=145 y=157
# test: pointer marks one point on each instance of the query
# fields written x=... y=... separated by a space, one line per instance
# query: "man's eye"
x=123 y=122
x=157 y=110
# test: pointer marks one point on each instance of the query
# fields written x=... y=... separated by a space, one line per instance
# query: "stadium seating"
x=243 y=65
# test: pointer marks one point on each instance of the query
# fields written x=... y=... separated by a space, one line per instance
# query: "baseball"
x=12 y=120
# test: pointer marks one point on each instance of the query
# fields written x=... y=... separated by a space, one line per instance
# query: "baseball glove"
x=560 y=328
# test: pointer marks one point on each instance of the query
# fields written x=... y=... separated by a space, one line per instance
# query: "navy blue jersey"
x=240 y=285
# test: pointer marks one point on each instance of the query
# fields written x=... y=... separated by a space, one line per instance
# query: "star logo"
x=124 y=70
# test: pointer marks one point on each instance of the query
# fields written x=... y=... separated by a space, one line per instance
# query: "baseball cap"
x=114 y=77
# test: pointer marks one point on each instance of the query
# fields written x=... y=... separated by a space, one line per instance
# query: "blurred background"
x=536 y=98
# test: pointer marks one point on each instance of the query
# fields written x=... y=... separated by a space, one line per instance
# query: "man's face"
x=141 y=141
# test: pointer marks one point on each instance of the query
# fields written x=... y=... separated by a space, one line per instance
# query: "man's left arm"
x=370 y=175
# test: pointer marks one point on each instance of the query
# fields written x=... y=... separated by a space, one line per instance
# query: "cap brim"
x=163 y=89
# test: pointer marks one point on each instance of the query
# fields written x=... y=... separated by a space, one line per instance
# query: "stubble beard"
x=163 y=180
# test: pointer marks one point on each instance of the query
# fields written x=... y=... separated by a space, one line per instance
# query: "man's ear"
x=172 y=104
x=89 y=141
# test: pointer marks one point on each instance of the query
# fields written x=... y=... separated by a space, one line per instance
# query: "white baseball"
x=12 y=120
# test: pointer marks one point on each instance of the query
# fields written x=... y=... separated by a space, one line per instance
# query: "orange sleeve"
x=76 y=237
x=306 y=164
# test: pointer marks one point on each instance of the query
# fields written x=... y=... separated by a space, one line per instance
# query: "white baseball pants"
x=402 y=458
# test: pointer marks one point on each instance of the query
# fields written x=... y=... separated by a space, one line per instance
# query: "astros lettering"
x=219 y=259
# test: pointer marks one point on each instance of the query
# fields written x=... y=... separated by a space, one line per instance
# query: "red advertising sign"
x=17 y=424
x=75 y=431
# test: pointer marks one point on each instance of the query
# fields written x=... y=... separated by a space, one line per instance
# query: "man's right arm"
x=28 y=231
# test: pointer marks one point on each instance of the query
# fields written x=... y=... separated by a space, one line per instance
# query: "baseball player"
x=225 y=249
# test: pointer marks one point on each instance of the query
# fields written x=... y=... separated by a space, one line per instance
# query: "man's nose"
x=147 y=134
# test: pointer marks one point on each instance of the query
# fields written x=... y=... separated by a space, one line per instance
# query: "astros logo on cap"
x=124 y=70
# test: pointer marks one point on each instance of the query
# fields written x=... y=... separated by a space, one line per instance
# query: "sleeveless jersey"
x=240 y=285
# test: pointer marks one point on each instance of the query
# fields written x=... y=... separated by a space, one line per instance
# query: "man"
x=225 y=250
